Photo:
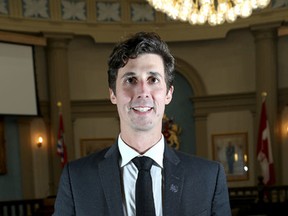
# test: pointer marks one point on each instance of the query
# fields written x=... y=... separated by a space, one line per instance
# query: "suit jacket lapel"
x=173 y=182
x=110 y=177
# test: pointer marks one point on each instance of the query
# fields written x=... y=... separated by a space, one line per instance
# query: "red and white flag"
x=61 y=147
x=264 y=150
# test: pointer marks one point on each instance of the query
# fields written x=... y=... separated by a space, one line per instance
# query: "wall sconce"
x=39 y=142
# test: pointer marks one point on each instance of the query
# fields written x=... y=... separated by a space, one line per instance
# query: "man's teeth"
x=142 y=109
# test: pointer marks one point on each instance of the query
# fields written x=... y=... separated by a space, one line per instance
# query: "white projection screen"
x=18 y=95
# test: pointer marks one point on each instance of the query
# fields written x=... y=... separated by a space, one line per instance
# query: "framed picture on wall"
x=232 y=151
x=89 y=146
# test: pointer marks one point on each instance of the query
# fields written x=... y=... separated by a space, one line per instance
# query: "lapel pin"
x=174 y=188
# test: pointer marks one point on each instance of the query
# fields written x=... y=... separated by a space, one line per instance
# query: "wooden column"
x=201 y=138
x=266 y=81
x=59 y=90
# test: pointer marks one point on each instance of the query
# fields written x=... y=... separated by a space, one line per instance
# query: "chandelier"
x=215 y=12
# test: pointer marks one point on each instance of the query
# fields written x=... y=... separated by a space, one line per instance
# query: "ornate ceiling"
x=108 y=20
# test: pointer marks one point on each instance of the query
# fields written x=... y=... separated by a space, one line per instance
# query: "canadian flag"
x=61 y=147
x=264 y=150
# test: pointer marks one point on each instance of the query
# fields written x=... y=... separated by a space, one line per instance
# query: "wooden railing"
x=259 y=200
x=32 y=207
x=20 y=207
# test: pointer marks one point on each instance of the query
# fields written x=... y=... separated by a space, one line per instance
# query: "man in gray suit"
x=140 y=76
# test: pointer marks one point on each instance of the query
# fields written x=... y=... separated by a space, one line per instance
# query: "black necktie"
x=144 y=191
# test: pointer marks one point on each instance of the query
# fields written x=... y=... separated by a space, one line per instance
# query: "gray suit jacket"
x=192 y=186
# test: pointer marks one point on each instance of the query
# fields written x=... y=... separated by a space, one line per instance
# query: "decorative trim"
x=50 y=18
x=223 y=103
x=93 y=108
x=22 y=38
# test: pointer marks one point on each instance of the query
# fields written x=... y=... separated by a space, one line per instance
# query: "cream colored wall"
x=88 y=81
x=216 y=62
x=282 y=62
x=40 y=158
x=94 y=128
x=41 y=73
x=88 y=69
x=283 y=83
x=225 y=65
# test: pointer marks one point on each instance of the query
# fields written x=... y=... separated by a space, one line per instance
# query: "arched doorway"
x=181 y=111
x=187 y=84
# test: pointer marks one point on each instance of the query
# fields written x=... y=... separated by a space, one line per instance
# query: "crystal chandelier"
x=215 y=12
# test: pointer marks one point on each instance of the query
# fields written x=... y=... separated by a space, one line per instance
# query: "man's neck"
x=140 y=141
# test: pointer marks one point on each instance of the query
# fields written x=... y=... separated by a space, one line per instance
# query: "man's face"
x=141 y=94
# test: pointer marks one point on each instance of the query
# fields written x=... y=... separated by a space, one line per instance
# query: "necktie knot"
x=143 y=163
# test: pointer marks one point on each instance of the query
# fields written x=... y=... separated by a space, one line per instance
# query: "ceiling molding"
x=111 y=32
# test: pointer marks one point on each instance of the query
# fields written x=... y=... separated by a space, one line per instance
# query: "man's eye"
x=131 y=80
x=153 y=80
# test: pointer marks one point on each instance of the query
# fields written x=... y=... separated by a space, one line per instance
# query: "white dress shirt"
x=130 y=172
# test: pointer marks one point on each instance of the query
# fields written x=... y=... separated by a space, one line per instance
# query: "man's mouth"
x=142 y=109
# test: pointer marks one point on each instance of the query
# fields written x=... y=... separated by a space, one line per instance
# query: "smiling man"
x=140 y=77
x=141 y=95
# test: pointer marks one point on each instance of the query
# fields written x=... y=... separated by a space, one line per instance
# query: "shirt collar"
x=127 y=153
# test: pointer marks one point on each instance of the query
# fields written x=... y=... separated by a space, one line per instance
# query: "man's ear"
x=113 y=98
x=169 y=95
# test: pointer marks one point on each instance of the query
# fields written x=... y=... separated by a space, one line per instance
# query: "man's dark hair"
x=131 y=48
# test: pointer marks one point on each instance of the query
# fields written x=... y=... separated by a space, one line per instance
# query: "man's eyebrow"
x=153 y=73
x=127 y=74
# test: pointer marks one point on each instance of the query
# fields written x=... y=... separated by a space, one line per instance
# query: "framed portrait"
x=3 y=168
x=89 y=146
x=232 y=151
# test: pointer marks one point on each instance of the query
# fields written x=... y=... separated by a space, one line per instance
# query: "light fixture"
x=215 y=12
x=39 y=142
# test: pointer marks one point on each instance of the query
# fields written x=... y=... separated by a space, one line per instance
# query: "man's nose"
x=143 y=89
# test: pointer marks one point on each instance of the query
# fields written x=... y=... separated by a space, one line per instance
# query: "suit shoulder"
x=88 y=160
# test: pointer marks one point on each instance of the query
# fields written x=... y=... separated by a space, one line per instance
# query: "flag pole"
x=59 y=105
x=264 y=95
